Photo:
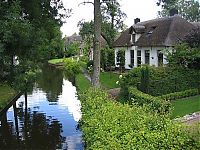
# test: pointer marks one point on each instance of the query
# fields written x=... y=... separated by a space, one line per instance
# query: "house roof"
x=124 y=39
x=158 y=32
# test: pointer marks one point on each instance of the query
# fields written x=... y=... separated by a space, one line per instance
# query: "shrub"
x=162 y=80
x=72 y=67
x=110 y=125
x=179 y=95
x=156 y=104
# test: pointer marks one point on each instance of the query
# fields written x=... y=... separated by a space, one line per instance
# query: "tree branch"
x=88 y=2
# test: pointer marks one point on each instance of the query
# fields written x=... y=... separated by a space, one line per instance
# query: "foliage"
x=107 y=58
x=72 y=67
x=28 y=34
x=184 y=56
x=188 y=9
x=72 y=49
x=121 y=58
x=155 y=104
x=110 y=125
x=193 y=38
x=178 y=95
x=185 y=106
x=162 y=80
x=144 y=81
x=6 y=93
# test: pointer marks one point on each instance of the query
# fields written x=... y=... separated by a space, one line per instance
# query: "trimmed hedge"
x=156 y=104
x=179 y=95
x=162 y=80
x=107 y=125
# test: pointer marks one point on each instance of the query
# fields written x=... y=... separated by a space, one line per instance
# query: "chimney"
x=136 y=20
x=173 y=12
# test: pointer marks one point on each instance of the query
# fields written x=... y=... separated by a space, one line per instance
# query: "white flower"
x=117 y=82
x=120 y=76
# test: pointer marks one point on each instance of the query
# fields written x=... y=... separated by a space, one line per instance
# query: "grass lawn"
x=108 y=80
x=185 y=106
x=6 y=93
x=55 y=61
x=82 y=83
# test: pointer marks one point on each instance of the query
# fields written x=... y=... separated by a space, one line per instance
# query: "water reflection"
x=50 y=81
x=40 y=122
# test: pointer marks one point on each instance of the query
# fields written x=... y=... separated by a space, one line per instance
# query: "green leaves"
x=110 y=125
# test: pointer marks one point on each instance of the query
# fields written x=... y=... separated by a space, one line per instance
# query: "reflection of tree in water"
x=37 y=131
x=50 y=81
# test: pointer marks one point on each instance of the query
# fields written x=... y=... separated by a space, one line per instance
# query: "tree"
x=29 y=34
x=121 y=59
x=96 y=50
x=188 y=9
x=112 y=20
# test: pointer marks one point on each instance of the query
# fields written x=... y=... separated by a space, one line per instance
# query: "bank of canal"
x=47 y=120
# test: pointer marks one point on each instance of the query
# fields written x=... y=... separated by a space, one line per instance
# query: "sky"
x=143 y=9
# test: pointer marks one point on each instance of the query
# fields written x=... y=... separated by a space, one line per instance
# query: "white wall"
x=153 y=56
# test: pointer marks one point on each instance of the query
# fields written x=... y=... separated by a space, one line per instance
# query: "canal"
x=48 y=119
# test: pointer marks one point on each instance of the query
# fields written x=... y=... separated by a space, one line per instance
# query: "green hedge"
x=179 y=95
x=162 y=80
x=156 y=104
x=107 y=125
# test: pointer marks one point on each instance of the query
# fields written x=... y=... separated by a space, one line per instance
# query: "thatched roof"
x=158 y=32
x=123 y=40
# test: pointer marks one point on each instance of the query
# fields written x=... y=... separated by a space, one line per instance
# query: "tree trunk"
x=96 y=44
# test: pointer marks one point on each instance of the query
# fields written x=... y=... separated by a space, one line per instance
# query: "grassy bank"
x=55 y=61
x=6 y=93
x=82 y=83
x=108 y=80
x=185 y=106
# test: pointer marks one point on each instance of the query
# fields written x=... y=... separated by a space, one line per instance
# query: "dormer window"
x=151 y=30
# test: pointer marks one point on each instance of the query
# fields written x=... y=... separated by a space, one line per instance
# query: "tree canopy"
x=188 y=9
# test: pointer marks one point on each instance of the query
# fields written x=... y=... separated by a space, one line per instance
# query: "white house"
x=145 y=42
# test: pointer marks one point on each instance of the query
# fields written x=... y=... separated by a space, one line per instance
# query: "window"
x=160 y=57
x=147 y=56
x=139 y=58
x=132 y=57
x=133 y=38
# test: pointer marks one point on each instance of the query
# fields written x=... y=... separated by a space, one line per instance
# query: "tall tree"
x=188 y=9
x=96 y=50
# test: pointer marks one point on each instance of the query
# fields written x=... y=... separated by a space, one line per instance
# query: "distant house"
x=74 y=38
x=144 y=42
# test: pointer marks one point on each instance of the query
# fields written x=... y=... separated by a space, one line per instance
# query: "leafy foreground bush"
x=112 y=126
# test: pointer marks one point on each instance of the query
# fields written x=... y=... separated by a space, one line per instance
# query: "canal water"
x=48 y=119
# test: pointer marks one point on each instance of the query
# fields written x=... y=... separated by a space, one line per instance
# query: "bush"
x=179 y=95
x=72 y=67
x=162 y=80
x=155 y=104
x=110 y=125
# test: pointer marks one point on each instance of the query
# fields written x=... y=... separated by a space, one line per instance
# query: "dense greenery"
x=6 y=93
x=110 y=125
x=186 y=55
x=188 y=9
x=155 y=104
x=178 y=95
x=29 y=35
x=185 y=106
x=162 y=80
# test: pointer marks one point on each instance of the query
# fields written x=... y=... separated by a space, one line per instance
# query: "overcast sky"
x=143 y=9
